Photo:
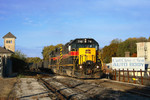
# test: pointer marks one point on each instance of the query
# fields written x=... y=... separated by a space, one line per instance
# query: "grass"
x=21 y=76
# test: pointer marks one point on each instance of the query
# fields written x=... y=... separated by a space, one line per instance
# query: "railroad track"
x=73 y=89
x=62 y=91
x=59 y=95
x=131 y=88
x=67 y=88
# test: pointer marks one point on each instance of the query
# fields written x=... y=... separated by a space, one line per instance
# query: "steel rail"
x=60 y=96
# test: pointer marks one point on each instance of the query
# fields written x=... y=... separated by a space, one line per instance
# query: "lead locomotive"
x=77 y=58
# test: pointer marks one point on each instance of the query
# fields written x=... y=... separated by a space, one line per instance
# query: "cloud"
x=32 y=22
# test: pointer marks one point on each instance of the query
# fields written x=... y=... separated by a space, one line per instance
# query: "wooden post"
x=73 y=71
x=57 y=65
x=123 y=76
x=141 y=77
x=149 y=75
x=119 y=74
x=115 y=74
x=134 y=76
x=128 y=75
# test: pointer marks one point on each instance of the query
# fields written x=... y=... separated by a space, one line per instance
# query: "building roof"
x=9 y=35
x=3 y=50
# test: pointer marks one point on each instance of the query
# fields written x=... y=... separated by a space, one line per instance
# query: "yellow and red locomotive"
x=77 y=58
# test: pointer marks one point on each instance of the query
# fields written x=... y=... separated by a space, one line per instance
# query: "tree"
x=47 y=49
x=19 y=55
x=18 y=61
x=141 y=39
x=109 y=52
x=129 y=45
x=100 y=56
x=33 y=59
x=148 y=39
x=116 y=41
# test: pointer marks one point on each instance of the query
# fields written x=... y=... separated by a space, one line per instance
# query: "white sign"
x=129 y=63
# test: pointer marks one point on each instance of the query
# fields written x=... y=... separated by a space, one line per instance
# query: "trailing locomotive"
x=77 y=58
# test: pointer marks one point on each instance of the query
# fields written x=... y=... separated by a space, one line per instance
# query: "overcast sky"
x=39 y=23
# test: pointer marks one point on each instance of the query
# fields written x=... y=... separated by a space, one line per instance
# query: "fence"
x=1 y=66
x=5 y=66
x=132 y=76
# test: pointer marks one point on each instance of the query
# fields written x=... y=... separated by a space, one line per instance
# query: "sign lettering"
x=129 y=63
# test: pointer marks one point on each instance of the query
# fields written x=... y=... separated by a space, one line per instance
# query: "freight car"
x=77 y=58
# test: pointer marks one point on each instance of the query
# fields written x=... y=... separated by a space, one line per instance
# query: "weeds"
x=21 y=76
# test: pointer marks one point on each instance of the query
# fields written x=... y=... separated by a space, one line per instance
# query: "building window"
x=8 y=41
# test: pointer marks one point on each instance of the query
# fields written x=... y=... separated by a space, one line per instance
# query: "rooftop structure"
x=9 y=41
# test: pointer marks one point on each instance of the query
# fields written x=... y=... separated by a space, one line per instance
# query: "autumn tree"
x=33 y=60
x=141 y=39
x=129 y=45
x=116 y=41
x=47 y=49
x=148 y=39
x=109 y=52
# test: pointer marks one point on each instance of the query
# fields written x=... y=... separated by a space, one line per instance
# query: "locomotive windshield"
x=86 y=46
x=83 y=43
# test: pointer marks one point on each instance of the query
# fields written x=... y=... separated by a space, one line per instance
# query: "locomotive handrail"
x=62 y=65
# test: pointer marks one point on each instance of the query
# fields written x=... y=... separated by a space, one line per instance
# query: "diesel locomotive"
x=77 y=58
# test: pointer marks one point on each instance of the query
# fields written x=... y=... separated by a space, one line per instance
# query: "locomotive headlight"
x=80 y=67
x=97 y=66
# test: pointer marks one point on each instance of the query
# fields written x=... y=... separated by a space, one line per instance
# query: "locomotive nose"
x=89 y=62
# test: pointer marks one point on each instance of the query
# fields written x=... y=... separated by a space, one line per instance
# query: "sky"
x=39 y=23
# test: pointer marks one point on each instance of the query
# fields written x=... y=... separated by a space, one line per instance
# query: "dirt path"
x=6 y=87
